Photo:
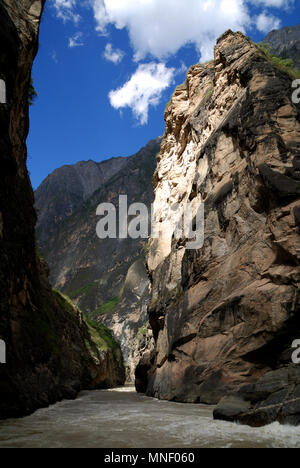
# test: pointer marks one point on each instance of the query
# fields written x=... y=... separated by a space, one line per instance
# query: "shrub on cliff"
x=286 y=65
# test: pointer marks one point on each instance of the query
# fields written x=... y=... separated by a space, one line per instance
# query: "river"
x=122 y=418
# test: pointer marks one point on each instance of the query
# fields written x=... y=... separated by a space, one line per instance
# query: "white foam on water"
x=127 y=389
x=121 y=418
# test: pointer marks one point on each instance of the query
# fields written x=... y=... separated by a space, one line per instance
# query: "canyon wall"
x=224 y=316
x=51 y=352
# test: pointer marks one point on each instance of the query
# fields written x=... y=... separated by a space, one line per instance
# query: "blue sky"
x=106 y=69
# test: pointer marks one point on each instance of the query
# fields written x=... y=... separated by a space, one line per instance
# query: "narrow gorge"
x=212 y=327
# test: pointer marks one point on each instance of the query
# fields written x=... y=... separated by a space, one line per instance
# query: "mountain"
x=52 y=353
x=106 y=278
x=225 y=316
x=285 y=43
x=67 y=188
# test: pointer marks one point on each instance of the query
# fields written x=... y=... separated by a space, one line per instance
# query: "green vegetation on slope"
x=285 y=65
x=143 y=330
x=102 y=336
x=107 y=308
x=209 y=94
x=83 y=290
x=65 y=302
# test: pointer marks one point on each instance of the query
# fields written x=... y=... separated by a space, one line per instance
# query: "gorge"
x=212 y=326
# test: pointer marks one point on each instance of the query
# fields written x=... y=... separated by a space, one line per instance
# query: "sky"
x=106 y=69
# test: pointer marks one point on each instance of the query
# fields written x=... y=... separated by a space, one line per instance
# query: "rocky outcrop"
x=129 y=319
x=145 y=358
x=276 y=396
x=106 y=278
x=226 y=314
x=51 y=353
x=285 y=43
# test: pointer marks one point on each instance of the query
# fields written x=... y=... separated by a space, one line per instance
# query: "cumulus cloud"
x=76 y=40
x=266 y=23
x=65 y=10
x=144 y=89
x=113 y=55
x=161 y=28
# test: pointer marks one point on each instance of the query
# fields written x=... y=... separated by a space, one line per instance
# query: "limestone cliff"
x=51 y=352
x=225 y=315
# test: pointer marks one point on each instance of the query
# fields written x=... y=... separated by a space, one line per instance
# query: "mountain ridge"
x=67 y=188
x=285 y=43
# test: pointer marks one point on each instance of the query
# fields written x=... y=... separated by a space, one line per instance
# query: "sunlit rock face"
x=227 y=313
x=49 y=351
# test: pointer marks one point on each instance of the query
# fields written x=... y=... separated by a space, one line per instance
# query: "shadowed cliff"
x=51 y=352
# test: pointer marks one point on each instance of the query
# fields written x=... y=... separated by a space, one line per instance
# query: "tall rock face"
x=225 y=315
x=285 y=43
x=106 y=278
x=51 y=352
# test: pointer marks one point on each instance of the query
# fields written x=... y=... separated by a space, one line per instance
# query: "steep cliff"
x=51 y=352
x=225 y=315
x=285 y=43
x=106 y=278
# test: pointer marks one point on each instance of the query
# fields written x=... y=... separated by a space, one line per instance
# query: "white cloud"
x=161 y=28
x=76 y=40
x=65 y=10
x=113 y=55
x=144 y=89
x=266 y=23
